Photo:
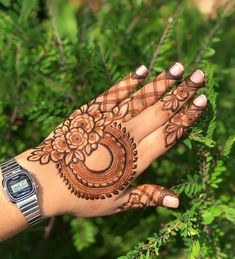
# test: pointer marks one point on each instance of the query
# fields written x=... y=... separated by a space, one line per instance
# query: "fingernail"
x=197 y=76
x=170 y=201
x=177 y=69
x=200 y=101
x=140 y=72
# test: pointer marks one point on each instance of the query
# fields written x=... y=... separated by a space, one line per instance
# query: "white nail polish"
x=177 y=69
x=197 y=76
x=200 y=101
x=170 y=201
x=141 y=71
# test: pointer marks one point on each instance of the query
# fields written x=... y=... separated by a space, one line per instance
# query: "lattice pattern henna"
x=145 y=196
x=77 y=138
x=150 y=93
x=116 y=93
x=173 y=100
x=179 y=123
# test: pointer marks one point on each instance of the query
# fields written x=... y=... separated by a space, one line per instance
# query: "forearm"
x=12 y=220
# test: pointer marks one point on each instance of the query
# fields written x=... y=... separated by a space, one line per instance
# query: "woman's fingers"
x=122 y=89
x=147 y=195
x=159 y=141
x=156 y=115
x=153 y=90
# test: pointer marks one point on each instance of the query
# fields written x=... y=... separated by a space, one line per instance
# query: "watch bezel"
x=10 y=177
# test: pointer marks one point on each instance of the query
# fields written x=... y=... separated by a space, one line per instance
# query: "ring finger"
x=160 y=140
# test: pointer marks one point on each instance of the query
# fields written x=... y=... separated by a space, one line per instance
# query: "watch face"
x=19 y=186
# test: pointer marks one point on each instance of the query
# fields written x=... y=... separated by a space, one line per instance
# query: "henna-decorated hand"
x=85 y=166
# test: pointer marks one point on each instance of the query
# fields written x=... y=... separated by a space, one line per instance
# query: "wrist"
x=48 y=188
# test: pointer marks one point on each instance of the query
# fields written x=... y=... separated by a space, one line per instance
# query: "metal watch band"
x=9 y=167
x=29 y=206
x=30 y=209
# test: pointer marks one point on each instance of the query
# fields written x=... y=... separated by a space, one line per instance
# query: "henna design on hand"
x=179 y=123
x=180 y=94
x=144 y=196
x=149 y=95
x=75 y=141
x=121 y=89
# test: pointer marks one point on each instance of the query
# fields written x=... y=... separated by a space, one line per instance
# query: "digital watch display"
x=19 y=186
x=20 y=189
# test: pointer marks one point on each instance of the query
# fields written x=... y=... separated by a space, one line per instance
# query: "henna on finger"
x=152 y=91
x=149 y=195
x=122 y=89
x=158 y=114
x=161 y=139
x=181 y=121
x=173 y=100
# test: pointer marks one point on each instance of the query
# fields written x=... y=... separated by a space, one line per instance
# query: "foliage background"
x=57 y=55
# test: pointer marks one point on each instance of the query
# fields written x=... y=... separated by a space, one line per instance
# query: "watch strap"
x=9 y=167
x=30 y=209
x=29 y=206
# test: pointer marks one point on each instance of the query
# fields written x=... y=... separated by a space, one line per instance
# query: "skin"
x=86 y=165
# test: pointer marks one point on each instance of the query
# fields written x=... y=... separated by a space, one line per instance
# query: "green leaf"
x=228 y=146
x=147 y=256
x=28 y=6
x=216 y=39
x=188 y=143
x=209 y=52
x=156 y=250
x=192 y=231
x=84 y=232
x=63 y=17
x=195 y=250
x=228 y=212
x=204 y=140
x=210 y=214
x=6 y=3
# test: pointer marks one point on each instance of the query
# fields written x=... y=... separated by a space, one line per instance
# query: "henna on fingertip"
x=173 y=100
x=193 y=85
x=181 y=121
x=149 y=195
x=174 y=71
x=140 y=72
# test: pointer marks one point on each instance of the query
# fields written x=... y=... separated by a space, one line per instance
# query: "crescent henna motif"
x=74 y=141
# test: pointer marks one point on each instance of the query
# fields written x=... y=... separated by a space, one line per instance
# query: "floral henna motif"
x=133 y=202
x=180 y=94
x=179 y=123
x=77 y=138
x=144 y=196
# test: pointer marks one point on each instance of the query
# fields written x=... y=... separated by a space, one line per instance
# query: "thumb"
x=147 y=195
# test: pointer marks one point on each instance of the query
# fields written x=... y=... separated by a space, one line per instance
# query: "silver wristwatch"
x=20 y=188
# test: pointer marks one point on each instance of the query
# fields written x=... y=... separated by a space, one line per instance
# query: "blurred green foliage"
x=57 y=55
